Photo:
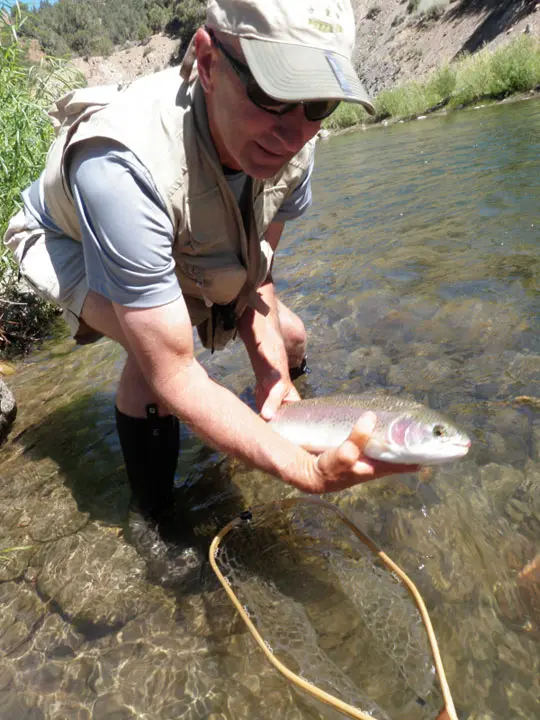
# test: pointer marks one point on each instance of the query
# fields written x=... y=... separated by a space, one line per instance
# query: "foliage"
x=25 y=319
x=26 y=91
x=187 y=16
x=517 y=68
x=94 y=27
x=442 y=83
x=406 y=101
x=346 y=115
x=513 y=68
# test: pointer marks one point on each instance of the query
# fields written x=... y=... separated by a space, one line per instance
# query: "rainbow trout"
x=405 y=432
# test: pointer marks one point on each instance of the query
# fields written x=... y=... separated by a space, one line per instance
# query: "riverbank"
x=511 y=71
x=26 y=91
x=375 y=125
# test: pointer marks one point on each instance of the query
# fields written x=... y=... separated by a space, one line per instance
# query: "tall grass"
x=513 y=68
x=26 y=90
x=489 y=74
x=346 y=115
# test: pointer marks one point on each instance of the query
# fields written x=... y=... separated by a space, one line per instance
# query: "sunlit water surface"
x=416 y=270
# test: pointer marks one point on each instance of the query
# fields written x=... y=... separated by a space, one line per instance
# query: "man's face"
x=247 y=137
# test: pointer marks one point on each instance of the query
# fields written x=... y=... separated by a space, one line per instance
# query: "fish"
x=405 y=431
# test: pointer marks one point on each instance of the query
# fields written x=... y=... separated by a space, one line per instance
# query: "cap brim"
x=298 y=72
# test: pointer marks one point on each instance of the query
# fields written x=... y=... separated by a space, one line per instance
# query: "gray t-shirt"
x=127 y=233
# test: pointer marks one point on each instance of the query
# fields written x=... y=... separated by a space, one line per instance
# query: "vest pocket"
x=215 y=278
x=214 y=224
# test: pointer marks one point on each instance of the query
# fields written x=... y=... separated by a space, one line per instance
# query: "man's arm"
x=162 y=340
x=265 y=346
x=156 y=329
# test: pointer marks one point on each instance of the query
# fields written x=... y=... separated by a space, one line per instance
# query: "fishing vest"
x=221 y=256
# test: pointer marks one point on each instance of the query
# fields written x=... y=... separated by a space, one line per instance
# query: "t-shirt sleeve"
x=127 y=233
x=299 y=201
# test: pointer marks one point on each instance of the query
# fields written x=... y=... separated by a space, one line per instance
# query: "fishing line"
x=291 y=569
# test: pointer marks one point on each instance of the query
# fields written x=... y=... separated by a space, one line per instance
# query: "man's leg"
x=295 y=337
x=149 y=436
x=54 y=266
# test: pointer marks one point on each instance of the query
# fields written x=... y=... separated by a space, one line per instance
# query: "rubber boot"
x=300 y=370
x=150 y=447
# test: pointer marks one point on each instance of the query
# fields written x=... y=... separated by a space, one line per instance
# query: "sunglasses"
x=314 y=110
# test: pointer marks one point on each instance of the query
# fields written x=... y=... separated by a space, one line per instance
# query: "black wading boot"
x=150 y=447
x=300 y=370
x=155 y=528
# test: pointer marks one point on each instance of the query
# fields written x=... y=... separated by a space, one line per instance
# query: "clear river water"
x=417 y=270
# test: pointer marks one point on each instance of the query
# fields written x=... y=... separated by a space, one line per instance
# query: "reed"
x=26 y=91
x=487 y=75
x=346 y=115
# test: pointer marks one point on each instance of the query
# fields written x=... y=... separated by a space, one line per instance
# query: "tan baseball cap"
x=295 y=49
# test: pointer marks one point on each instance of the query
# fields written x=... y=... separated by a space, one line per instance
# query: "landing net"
x=332 y=612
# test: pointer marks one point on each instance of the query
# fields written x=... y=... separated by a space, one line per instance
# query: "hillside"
x=393 y=44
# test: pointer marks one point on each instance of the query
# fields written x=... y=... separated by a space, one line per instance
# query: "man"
x=161 y=206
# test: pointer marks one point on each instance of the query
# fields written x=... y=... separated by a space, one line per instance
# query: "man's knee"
x=296 y=344
x=294 y=335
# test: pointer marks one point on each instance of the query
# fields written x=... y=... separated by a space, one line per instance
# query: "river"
x=416 y=270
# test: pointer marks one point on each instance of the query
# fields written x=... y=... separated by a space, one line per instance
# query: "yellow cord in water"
x=449 y=713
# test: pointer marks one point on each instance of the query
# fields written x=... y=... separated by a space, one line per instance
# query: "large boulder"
x=8 y=410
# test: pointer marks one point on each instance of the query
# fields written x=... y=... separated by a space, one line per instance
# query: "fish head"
x=424 y=439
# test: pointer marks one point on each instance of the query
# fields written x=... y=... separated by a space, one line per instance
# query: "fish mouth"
x=454 y=452
x=437 y=455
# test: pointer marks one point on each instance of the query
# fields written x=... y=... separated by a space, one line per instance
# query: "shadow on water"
x=77 y=447
x=80 y=438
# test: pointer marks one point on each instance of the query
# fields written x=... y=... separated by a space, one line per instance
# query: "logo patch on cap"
x=333 y=61
x=325 y=27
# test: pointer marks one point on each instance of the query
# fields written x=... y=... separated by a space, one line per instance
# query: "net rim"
x=300 y=682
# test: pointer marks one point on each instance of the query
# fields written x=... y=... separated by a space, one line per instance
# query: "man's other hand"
x=272 y=393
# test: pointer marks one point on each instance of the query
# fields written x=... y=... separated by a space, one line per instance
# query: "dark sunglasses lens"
x=320 y=109
x=257 y=95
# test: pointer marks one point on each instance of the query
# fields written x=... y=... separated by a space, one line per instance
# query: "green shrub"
x=157 y=18
x=515 y=68
x=473 y=78
x=488 y=74
x=187 y=16
x=442 y=83
x=143 y=33
x=404 y=101
x=346 y=115
x=25 y=135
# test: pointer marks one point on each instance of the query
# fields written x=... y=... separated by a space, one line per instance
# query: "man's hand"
x=346 y=465
x=273 y=391
x=161 y=340
x=262 y=336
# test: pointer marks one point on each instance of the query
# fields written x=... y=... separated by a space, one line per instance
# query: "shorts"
x=52 y=264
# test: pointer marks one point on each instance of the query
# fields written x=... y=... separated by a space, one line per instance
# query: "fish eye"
x=439 y=431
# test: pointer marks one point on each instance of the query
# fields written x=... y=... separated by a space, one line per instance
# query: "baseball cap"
x=296 y=50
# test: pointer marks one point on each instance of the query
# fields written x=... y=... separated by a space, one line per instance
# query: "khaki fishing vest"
x=163 y=121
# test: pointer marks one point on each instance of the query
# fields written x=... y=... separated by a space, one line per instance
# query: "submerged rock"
x=8 y=410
